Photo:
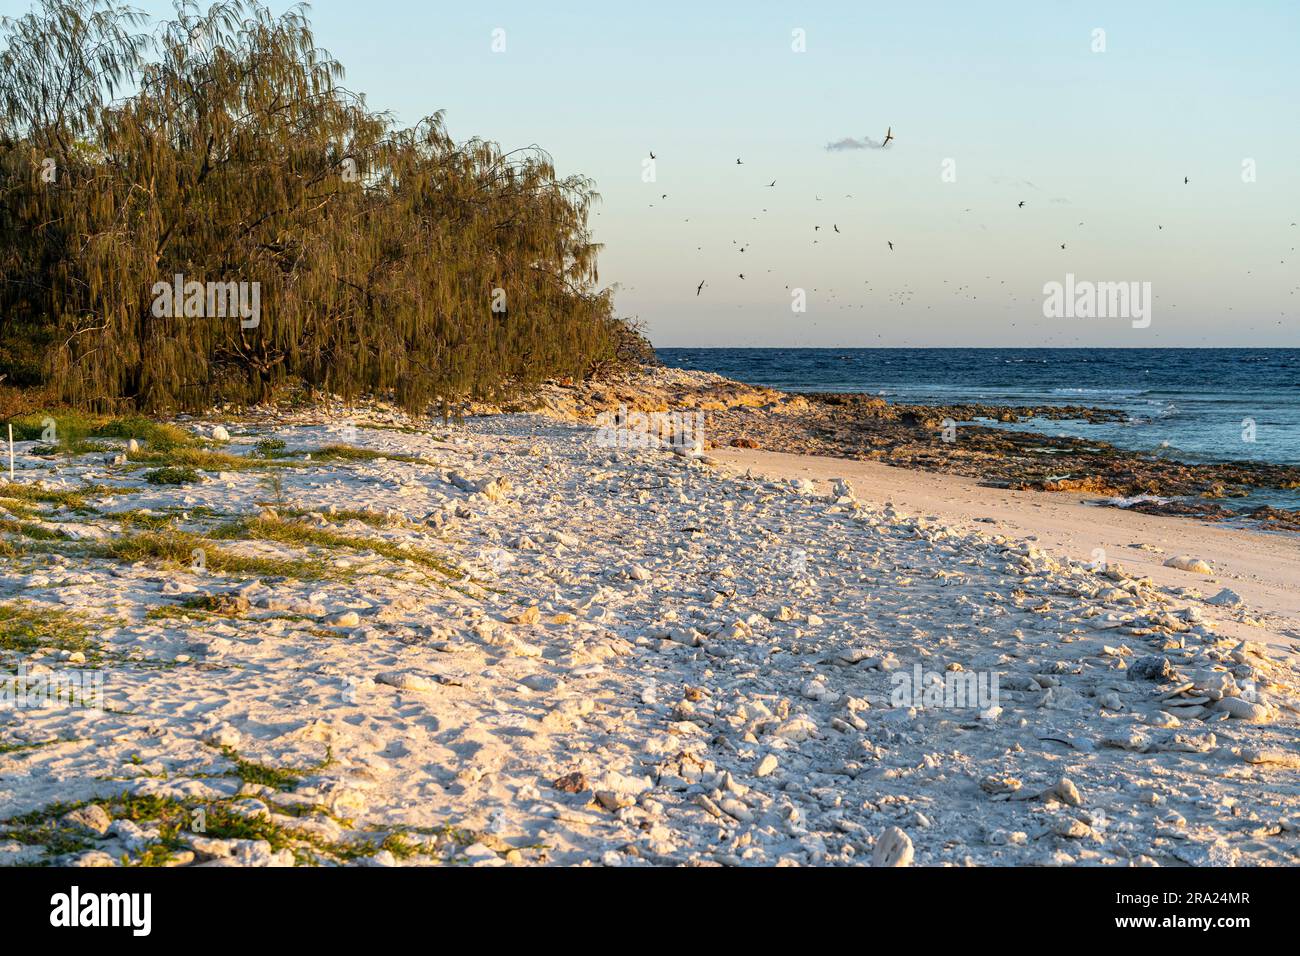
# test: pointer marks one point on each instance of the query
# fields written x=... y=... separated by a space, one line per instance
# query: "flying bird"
x=738 y=162
x=891 y=247
x=771 y=184
x=889 y=134
x=699 y=287
x=1022 y=204
x=1185 y=180
x=652 y=154
x=742 y=275
x=837 y=228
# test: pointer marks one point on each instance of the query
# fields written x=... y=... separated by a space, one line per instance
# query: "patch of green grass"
x=355 y=453
x=36 y=426
x=273 y=567
x=421 y=430
x=395 y=843
x=154 y=855
x=175 y=819
x=308 y=850
x=172 y=547
x=166 y=445
x=222 y=824
x=19 y=509
x=201 y=607
x=26 y=627
x=178 y=547
x=45 y=827
x=203 y=459
x=38 y=493
x=164 y=520
x=250 y=772
x=147 y=520
x=71 y=446
x=172 y=476
x=72 y=426
x=297 y=533
x=22 y=748
x=53 y=836
x=65 y=432
x=34 y=530
x=406 y=429
x=373 y=518
x=159 y=436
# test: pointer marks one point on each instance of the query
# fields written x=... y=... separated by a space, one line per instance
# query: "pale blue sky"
x=1017 y=99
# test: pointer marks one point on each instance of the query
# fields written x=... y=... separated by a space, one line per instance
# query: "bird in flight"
x=699 y=287
x=891 y=247
x=1062 y=245
x=652 y=154
x=1185 y=180
x=771 y=184
x=742 y=275
x=889 y=134
x=1022 y=204
x=738 y=162
x=837 y=228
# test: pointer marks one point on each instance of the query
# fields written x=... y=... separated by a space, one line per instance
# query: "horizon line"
x=972 y=348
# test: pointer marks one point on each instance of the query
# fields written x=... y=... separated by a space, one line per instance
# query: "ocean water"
x=1193 y=405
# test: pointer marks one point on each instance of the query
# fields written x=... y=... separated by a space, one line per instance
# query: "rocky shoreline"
x=944 y=438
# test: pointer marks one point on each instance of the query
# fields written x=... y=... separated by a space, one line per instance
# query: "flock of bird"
x=889 y=137
x=903 y=296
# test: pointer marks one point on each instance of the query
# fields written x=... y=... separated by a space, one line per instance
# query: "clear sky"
x=1096 y=144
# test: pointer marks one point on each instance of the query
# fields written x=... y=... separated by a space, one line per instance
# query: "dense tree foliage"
x=221 y=147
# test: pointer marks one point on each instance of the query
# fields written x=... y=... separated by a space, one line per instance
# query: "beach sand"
x=1262 y=567
x=533 y=648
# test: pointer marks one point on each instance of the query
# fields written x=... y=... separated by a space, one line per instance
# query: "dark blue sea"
x=1190 y=404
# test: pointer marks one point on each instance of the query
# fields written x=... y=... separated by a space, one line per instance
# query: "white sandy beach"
x=661 y=660
x=1262 y=567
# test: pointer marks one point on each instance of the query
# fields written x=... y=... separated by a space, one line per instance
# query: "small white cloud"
x=849 y=143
